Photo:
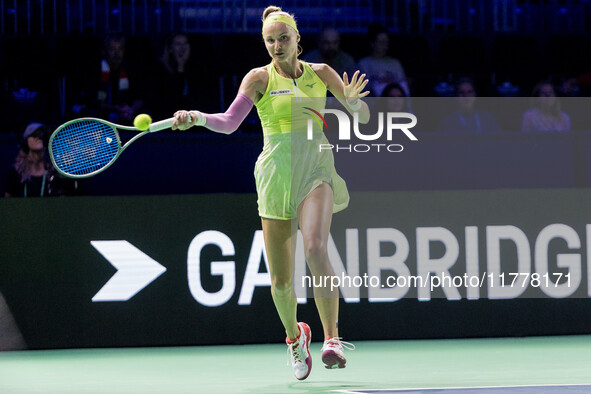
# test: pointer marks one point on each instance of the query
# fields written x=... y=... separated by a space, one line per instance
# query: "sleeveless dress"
x=291 y=165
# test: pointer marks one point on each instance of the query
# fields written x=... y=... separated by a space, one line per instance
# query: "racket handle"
x=164 y=124
x=161 y=125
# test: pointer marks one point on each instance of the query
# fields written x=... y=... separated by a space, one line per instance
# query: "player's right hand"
x=187 y=119
x=182 y=121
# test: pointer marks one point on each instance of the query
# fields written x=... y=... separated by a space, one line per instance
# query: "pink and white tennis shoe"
x=299 y=351
x=332 y=353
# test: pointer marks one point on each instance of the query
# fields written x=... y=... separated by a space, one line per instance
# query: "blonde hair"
x=272 y=9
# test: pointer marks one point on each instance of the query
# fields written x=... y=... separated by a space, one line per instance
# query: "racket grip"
x=161 y=125
x=165 y=124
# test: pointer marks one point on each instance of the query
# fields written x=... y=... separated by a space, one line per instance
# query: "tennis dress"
x=292 y=164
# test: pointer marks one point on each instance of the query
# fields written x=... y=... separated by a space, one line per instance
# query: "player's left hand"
x=354 y=89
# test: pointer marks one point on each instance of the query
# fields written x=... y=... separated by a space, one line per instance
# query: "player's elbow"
x=231 y=128
x=233 y=124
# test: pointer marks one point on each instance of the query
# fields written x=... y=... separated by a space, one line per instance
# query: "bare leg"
x=280 y=239
x=315 y=215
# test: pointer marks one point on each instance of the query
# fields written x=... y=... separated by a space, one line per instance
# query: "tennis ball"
x=142 y=122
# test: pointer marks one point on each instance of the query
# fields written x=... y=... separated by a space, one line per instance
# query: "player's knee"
x=281 y=285
x=316 y=250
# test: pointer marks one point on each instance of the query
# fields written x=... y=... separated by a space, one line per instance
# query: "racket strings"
x=84 y=147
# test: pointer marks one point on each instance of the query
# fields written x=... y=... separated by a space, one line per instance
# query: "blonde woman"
x=306 y=197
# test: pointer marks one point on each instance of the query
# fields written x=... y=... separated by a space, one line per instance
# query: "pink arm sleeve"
x=229 y=121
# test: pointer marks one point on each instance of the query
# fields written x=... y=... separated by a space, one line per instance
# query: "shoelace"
x=332 y=342
x=294 y=353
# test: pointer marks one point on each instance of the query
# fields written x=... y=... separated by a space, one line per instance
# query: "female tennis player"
x=306 y=195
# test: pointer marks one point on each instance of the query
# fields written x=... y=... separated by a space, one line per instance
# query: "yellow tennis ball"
x=142 y=122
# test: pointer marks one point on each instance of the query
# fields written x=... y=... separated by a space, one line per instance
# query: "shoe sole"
x=332 y=360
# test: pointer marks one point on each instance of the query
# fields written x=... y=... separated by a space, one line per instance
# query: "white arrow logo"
x=135 y=270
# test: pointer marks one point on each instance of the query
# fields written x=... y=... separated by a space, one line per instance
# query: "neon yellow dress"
x=291 y=166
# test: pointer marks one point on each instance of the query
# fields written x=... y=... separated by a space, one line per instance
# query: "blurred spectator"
x=32 y=174
x=467 y=118
x=397 y=100
x=546 y=114
x=329 y=52
x=577 y=86
x=114 y=92
x=393 y=99
x=179 y=79
x=380 y=68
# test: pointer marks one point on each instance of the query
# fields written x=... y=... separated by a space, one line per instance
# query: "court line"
x=362 y=391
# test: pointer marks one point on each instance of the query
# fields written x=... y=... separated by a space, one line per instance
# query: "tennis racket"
x=87 y=146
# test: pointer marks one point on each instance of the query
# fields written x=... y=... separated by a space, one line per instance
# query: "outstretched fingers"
x=355 y=78
x=355 y=87
x=362 y=86
x=361 y=83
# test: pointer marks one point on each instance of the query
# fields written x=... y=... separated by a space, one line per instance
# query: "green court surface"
x=562 y=360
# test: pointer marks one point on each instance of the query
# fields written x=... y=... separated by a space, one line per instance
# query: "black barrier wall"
x=191 y=269
x=205 y=163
